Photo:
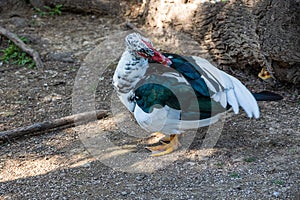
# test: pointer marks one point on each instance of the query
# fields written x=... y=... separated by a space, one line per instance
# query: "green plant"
x=278 y=182
x=234 y=175
x=220 y=164
x=54 y=11
x=40 y=12
x=57 y=10
x=293 y=150
x=13 y=54
x=250 y=159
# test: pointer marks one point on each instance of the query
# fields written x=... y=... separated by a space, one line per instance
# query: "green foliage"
x=40 y=12
x=13 y=54
x=278 y=182
x=57 y=10
x=250 y=159
x=234 y=175
x=220 y=165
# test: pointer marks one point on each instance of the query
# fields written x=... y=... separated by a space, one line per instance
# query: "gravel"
x=253 y=159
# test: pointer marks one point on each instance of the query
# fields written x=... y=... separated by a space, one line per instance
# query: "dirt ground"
x=252 y=159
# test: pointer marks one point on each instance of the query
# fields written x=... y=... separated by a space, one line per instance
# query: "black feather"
x=267 y=96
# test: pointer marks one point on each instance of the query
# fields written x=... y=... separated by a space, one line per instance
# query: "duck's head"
x=140 y=46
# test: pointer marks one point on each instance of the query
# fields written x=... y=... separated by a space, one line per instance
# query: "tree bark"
x=278 y=26
x=242 y=34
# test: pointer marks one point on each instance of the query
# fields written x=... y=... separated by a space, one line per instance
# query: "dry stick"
x=33 y=53
x=47 y=125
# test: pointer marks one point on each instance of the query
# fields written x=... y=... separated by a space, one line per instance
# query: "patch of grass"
x=278 y=182
x=293 y=150
x=7 y=114
x=220 y=164
x=40 y=12
x=234 y=175
x=93 y=88
x=13 y=54
x=54 y=11
x=57 y=10
x=250 y=159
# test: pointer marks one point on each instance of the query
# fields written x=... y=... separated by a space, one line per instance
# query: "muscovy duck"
x=169 y=93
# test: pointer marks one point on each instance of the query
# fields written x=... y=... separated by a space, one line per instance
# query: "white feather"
x=167 y=120
x=245 y=99
x=209 y=85
x=231 y=98
x=124 y=80
x=176 y=75
x=230 y=90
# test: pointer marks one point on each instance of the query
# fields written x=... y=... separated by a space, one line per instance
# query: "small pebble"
x=86 y=164
x=139 y=178
x=276 y=194
x=190 y=163
x=124 y=193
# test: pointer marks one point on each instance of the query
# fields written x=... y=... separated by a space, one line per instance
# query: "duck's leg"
x=162 y=137
x=166 y=148
x=166 y=139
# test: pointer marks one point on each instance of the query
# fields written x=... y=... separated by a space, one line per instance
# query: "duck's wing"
x=206 y=79
x=166 y=102
x=171 y=89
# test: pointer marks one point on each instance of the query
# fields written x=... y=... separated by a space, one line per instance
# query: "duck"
x=169 y=93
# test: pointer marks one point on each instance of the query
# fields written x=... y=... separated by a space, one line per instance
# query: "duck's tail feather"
x=267 y=96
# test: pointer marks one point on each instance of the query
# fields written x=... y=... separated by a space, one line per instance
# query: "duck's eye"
x=142 y=51
x=134 y=98
x=145 y=52
x=137 y=98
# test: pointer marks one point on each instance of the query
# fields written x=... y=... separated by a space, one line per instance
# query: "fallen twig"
x=19 y=43
x=68 y=121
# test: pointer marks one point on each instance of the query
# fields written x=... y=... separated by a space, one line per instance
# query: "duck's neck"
x=129 y=71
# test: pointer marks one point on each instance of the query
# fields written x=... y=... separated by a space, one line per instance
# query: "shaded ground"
x=253 y=159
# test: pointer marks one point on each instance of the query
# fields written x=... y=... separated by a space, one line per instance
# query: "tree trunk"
x=242 y=34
